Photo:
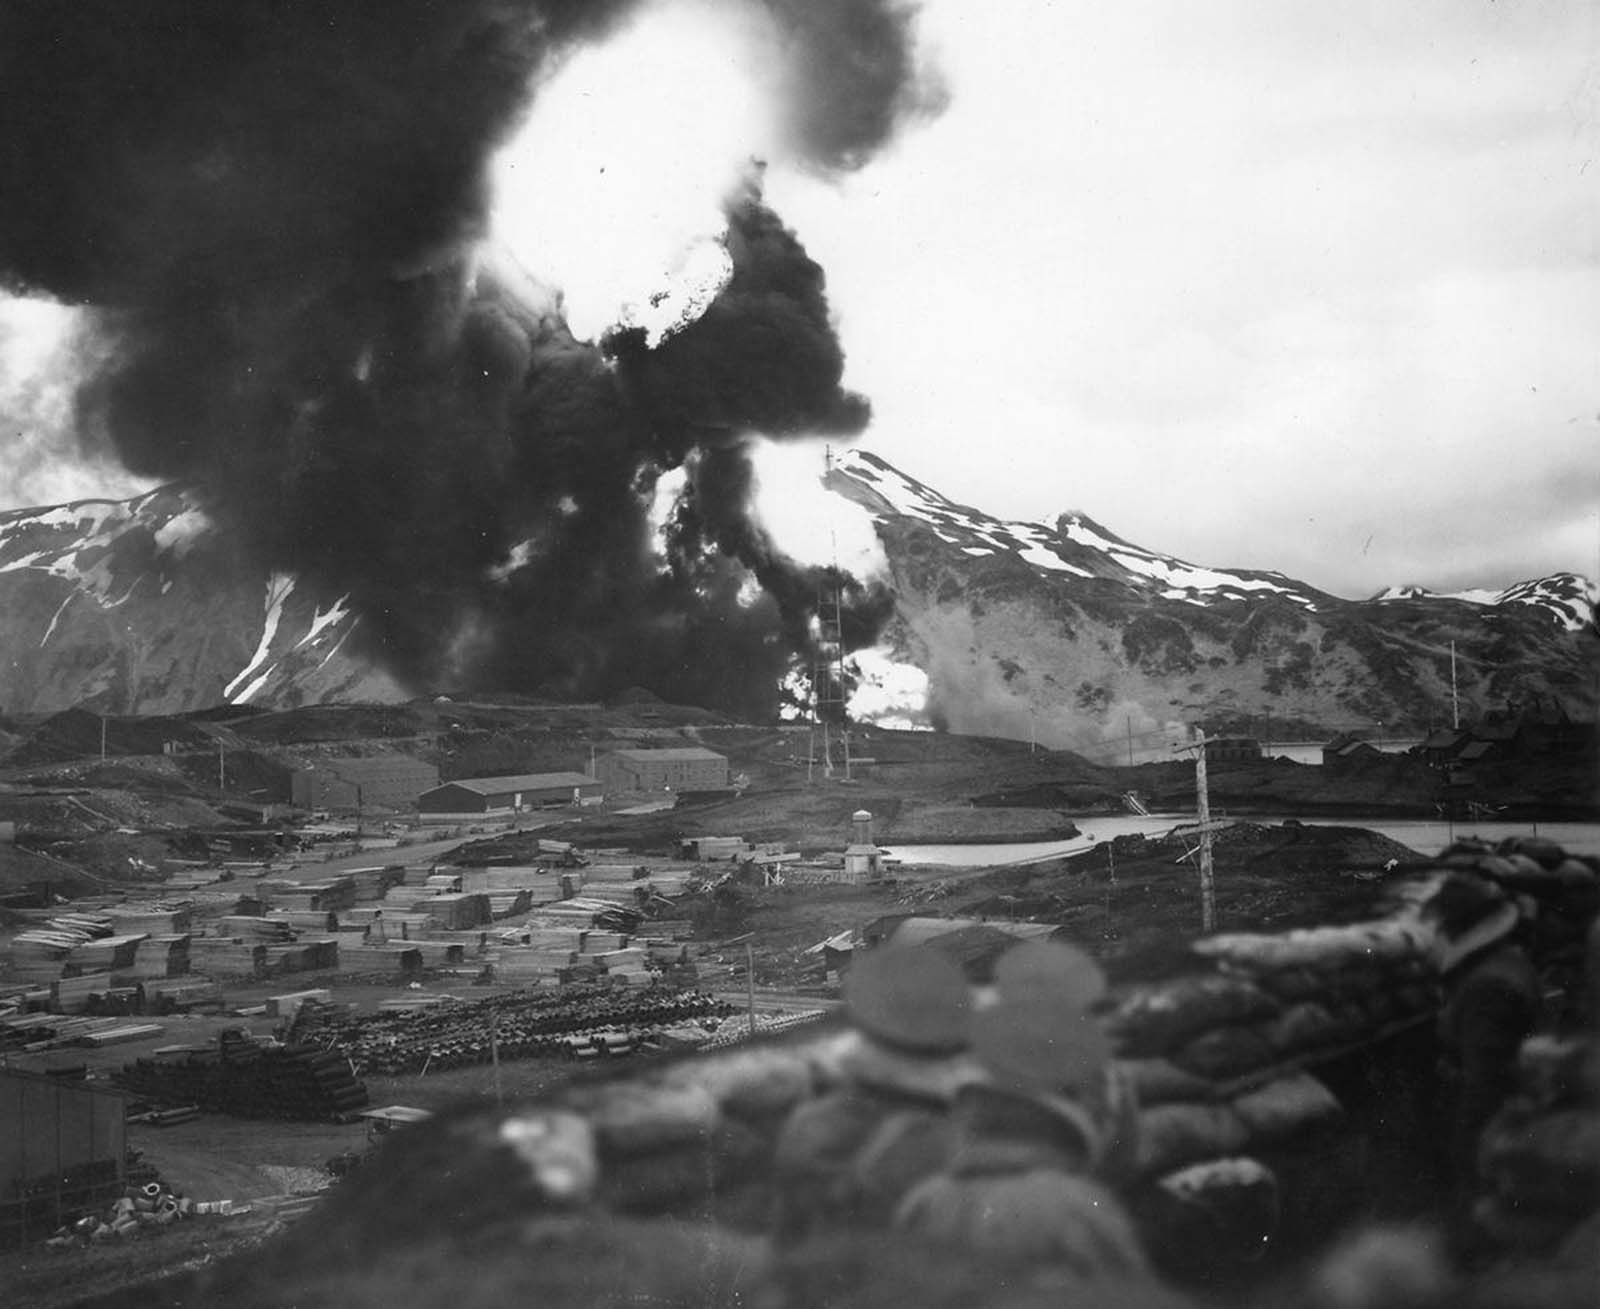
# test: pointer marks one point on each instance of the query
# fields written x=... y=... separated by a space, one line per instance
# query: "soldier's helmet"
x=1041 y=1043
x=912 y=999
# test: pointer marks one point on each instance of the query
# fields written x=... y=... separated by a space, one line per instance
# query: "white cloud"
x=1246 y=282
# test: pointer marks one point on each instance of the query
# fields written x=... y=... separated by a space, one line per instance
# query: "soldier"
x=1035 y=1133
x=846 y=1158
x=1492 y=999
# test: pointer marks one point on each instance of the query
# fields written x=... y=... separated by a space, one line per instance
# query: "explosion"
x=312 y=238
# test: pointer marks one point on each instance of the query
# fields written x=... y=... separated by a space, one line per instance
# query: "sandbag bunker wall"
x=436 y=1033
x=1228 y=1059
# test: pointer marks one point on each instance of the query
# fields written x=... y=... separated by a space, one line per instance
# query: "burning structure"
x=280 y=221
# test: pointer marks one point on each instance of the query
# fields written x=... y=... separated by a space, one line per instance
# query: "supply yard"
x=247 y=995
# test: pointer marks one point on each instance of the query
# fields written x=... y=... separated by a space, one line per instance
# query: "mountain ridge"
x=1066 y=632
x=1074 y=636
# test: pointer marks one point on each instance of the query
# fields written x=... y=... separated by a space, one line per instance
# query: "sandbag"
x=1172 y=1135
x=1224 y=1052
x=1318 y=947
x=1156 y=1080
x=1286 y=1106
x=757 y=1083
x=1550 y=1163
x=1153 y=1019
x=1550 y=1069
x=635 y=1119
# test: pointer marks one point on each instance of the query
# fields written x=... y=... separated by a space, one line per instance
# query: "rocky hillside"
x=1083 y=639
x=140 y=606
x=1064 y=631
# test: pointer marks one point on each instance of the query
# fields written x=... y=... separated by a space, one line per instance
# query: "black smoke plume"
x=276 y=208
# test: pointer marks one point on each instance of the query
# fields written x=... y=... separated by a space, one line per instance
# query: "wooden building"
x=488 y=795
x=681 y=768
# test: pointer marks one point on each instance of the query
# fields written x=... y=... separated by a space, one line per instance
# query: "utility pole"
x=1129 y=721
x=1208 y=895
x=221 y=769
x=494 y=1054
x=750 y=983
x=1455 y=694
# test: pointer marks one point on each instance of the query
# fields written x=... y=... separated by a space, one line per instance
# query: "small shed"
x=1347 y=752
x=1233 y=750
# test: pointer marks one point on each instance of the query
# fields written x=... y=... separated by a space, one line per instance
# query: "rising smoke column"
x=276 y=210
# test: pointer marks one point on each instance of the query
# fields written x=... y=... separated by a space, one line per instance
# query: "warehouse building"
x=63 y=1148
x=346 y=785
x=686 y=768
x=487 y=795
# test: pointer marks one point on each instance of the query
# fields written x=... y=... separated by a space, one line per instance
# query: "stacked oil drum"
x=512 y=1027
x=248 y=1080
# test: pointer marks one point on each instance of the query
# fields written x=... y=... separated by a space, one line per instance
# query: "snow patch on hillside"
x=279 y=588
x=1569 y=598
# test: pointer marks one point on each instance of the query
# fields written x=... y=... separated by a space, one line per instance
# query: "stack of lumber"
x=304 y=956
x=372 y=883
x=40 y=953
x=629 y=967
x=122 y=1034
x=220 y=957
x=332 y=895
x=537 y=953
x=674 y=929
x=159 y=957
x=456 y=911
x=33 y=1032
x=103 y=955
x=507 y=904
x=305 y=920
x=437 y=954
x=244 y=927
x=393 y=957
x=286 y=1006
x=152 y=919
x=518 y=877
x=181 y=994
x=90 y=992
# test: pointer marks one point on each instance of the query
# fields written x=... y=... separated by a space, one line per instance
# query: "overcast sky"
x=1302 y=286
x=1305 y=286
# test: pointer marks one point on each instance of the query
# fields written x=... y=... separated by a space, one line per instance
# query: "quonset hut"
x=487 y=795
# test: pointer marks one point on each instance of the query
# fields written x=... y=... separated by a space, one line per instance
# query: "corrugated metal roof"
x=671 y=754
x=521 y=782
x=354 y=768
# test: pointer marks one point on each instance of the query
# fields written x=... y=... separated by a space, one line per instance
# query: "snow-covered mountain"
x=1070 y=633
x=141 y=606
x=1065 y=632
x=1078 y=545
